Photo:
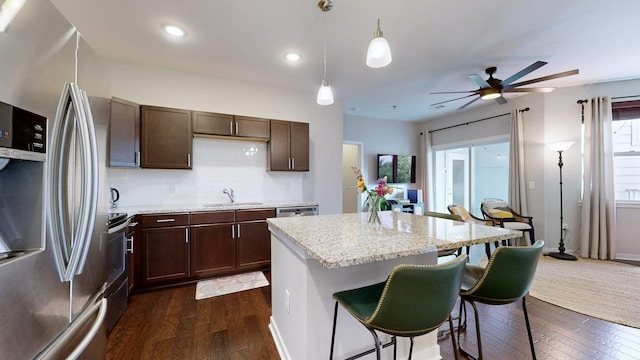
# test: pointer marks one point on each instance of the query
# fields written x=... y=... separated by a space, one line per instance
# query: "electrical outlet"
x=287 y=303
x=565 y=226
x=173 y=188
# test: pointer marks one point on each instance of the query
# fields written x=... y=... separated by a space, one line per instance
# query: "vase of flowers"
x=375 y=197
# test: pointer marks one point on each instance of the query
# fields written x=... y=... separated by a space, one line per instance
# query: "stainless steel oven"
x=117 y=283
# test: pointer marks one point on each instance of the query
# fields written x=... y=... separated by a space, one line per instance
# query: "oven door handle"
x=120 y=227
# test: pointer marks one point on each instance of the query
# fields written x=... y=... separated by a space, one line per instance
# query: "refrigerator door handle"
x=71 y=228
x=91 y=334
x=57 y=349
x=91 y=184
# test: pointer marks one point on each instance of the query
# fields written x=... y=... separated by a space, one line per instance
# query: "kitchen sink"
x=234 y=204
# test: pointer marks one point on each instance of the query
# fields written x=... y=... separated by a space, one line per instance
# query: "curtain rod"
x=474 y=121
x=581 y=101
x=624 y=97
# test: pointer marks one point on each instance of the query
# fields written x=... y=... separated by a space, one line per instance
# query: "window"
x=467 y=175
x=626 y=150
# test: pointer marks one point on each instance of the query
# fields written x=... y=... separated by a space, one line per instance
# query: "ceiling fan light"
x=325 y=94
x=490 y=93
x=379 y=52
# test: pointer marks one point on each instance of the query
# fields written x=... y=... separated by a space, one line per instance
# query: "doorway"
x=351 y=156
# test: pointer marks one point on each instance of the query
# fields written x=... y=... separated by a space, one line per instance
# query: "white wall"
x=381 y=137
x=220 y=163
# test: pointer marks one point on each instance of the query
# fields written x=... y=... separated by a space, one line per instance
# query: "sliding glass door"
x=467 y=175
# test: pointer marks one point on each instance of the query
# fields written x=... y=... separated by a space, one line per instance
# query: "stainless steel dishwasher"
x=297 y=211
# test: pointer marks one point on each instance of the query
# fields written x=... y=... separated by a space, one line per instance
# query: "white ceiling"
x=435 y=44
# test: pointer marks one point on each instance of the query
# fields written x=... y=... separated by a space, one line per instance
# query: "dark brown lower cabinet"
x=179 y=248
x=253 y=239
x=212 y=250
x=253 y=245
x=166 y=254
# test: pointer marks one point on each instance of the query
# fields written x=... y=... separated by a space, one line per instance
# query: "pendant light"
x=379 y=52
x=325 y=94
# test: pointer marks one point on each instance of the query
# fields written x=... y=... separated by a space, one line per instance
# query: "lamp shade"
x=379 y=52
x=325 y=94
x=560 y=146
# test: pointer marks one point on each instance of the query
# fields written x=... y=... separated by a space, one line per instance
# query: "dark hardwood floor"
x=171 y=324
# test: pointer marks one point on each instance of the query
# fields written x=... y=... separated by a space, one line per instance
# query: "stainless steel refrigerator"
x=53 y=190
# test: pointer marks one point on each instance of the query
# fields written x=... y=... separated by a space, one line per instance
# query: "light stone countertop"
x=347 y=239
x=179 y=208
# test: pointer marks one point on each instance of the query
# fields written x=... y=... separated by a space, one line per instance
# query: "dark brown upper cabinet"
x=224 y=125
x=124 y=134
x=166 y=138
x=289 y=146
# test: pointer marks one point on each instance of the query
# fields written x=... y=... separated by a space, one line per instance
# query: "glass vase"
x=374 y=209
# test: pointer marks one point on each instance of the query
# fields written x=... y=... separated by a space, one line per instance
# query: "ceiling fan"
x=493 y=88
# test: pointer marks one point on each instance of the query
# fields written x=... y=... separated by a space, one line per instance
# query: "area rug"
x=230 y=284
x=601 y=289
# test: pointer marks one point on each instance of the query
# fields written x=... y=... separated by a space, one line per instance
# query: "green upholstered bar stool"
x=506 y=279
x=413 y=301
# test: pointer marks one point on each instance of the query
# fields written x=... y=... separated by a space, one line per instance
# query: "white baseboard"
x=633 y=257
x=277 y=338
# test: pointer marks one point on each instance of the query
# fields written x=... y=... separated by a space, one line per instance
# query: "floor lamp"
x=560 y=254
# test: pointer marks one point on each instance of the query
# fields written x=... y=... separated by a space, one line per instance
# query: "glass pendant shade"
x=379 y=52
x=325 y=94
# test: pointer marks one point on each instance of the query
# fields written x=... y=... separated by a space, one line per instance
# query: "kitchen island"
x=315 y=256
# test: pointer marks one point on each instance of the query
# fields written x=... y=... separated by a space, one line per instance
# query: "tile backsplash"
x=217 y=164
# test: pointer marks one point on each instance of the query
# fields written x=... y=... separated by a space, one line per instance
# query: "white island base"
x=302 y=306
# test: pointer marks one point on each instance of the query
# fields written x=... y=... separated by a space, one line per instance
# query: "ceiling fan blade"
x=542 y=89
x=501 y=100
x=469 y=103
x=545 y=78
x=446 y=101
x=535 y=66
x=454 y=92
x=480 y=81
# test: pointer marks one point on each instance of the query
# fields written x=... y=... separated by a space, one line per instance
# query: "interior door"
x=457 y=179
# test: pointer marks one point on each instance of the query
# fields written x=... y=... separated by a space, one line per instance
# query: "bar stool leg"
x=333 y=333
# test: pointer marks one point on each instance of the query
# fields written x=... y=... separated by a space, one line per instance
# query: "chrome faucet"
x=229 y=193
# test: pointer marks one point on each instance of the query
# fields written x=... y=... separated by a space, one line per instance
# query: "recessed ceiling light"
x=292 y=57
x=8 y=11
x=174 y=30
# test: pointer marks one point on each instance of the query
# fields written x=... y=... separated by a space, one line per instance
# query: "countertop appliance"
x=53 y=301
x=297 y=211
x=115 y=196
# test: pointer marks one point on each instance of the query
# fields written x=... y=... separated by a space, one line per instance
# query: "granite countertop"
x=347 y=239
x=177 y=208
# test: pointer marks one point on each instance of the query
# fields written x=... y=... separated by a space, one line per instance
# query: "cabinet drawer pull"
x=233 y=232
x=238 y=231
x=231 y=127
x=189 y=160
x=137 y=155
x=165 y=220
x=133 y=224
x=186 y=235
x=293 y=163
x=236 y=128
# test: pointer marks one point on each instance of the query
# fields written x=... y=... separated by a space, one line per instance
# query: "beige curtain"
x=517 y=180
x=597 y=231
x=426 y=169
